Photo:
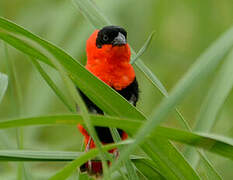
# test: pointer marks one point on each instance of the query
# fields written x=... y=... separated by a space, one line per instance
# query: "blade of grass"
x=3 y=85
x=16 y=102
x=148 y=169
x=129 y=167
x=64 y=156
x=29 y=155
x=65 y=172
x=208 y=170
x=208 y=167
x=15 y=93
x=5 y=140
x=52 y=85
x=203 y=66
x=217 y=95
x=212 y=143
x=143 y=48
x=206 y=163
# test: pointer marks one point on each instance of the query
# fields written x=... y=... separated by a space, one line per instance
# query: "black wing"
x=131 y=92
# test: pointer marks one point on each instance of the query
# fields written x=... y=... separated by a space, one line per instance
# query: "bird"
x=108 y=58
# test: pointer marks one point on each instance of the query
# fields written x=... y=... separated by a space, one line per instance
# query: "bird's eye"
x=105 y=37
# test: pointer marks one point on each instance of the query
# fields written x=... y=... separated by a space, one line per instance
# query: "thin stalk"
x=16 y=103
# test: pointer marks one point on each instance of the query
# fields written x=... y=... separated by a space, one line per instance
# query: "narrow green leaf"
x=66 y=156
x=212 y=143
x=95 y=17
x=52 y=85
x=210 y=173
x=128 y=165
x=3 y=85
x=217 y=95
x=148 y=168
x=32 y=155
x=71 y=167
x=16 y=103
x=27 y=155
x=143 y=48
x=166 y=155
x=14 y=85
x=203 y=66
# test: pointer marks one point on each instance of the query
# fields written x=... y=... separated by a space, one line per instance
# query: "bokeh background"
x=184 y=29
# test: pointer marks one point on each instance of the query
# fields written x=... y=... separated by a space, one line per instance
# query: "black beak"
x=119 y=40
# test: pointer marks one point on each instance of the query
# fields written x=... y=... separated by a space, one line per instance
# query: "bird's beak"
x=119 y=40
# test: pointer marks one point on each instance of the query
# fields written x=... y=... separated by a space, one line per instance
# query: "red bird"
x=108 y=58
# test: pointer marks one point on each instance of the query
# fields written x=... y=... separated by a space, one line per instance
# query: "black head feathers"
x=114 y=35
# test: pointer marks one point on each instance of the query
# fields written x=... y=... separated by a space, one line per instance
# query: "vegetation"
x=183 y=132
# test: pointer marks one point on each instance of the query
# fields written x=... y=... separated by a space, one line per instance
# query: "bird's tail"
x=94 y=167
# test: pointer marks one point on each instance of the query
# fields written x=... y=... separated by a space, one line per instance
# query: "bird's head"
x=110 y=41
x=111 y=35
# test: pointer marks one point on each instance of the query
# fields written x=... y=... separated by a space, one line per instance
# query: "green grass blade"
x=168 y=158
x=66 y=156
x=217 y=95
x=71 y=167
x=29 y=155
x=143 y=48
x=16 y=103
x=96 y=18
x=110 y=101
x=210 y=173
x=148 y=168
x=3 y=85
x=128 y=165
x=212 y=143
x=52 y=85
x=14 y=87
x=203 y=66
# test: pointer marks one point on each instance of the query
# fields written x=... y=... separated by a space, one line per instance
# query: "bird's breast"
x=116 y=75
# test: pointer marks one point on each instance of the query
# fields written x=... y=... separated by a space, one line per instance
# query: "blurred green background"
x=184 y=29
